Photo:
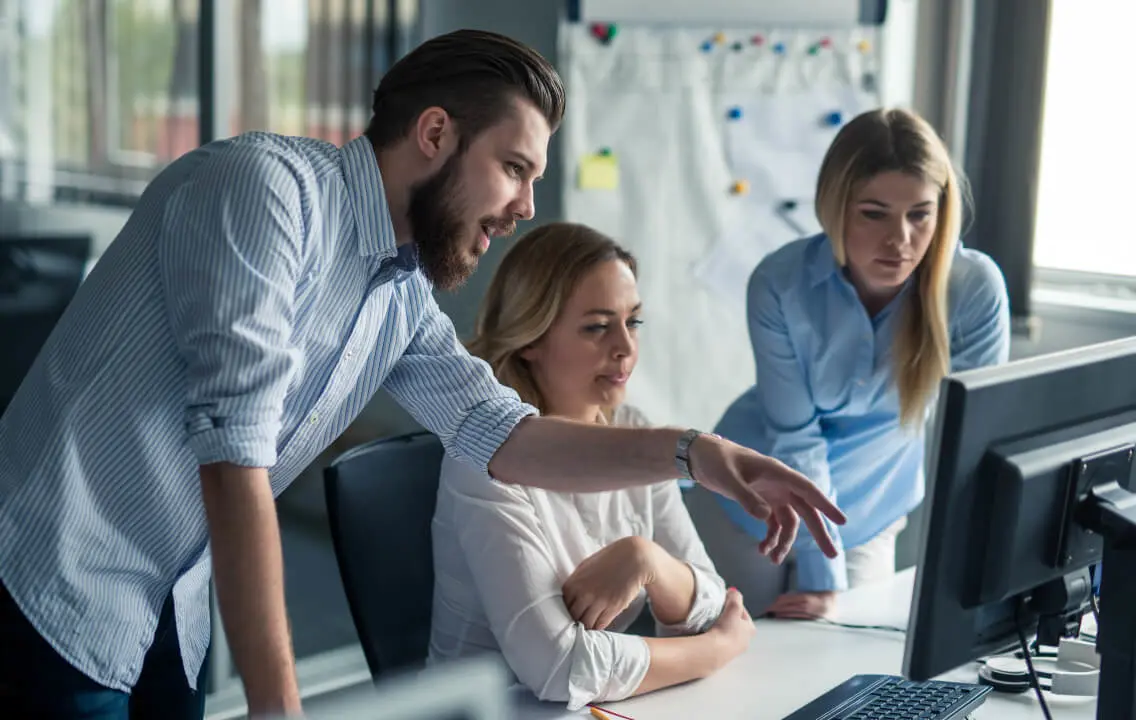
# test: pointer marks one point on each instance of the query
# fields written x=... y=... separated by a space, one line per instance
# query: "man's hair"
x=473 y=75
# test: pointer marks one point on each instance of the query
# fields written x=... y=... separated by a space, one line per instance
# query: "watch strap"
x=682 y=453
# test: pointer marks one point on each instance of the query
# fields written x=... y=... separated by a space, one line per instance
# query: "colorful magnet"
x=604 y=32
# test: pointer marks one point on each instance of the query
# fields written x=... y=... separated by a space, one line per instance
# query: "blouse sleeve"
x=511 y=561
x=674 y=531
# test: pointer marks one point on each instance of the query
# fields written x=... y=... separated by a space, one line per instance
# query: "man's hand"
x=605 y=583
x=768 y=489
x=804 y=606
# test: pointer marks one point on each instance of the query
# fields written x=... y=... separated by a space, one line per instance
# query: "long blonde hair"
x=896 y=140
x=533 y=282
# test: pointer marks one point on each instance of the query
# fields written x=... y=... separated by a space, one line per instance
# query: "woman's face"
x=889 y=226
x=584 y=361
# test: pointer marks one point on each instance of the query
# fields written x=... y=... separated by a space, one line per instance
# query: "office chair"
x=380 y=503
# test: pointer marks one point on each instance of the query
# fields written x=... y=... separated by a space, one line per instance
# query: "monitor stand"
x=1110 y=511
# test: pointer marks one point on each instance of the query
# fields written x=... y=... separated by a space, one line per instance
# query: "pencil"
x=605 y=714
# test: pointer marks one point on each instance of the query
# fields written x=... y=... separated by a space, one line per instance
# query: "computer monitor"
x=1031 y=468
x=39 y=276
x=469 y=689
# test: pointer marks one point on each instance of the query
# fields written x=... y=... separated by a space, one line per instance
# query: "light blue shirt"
x=249 y=309
x=825 y=403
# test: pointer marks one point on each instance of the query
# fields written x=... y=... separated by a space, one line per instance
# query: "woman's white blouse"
x=502 y=554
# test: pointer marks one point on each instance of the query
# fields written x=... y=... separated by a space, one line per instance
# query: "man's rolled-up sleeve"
x=230 y=254
x=453 y=394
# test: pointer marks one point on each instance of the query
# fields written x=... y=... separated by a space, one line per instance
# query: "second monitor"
x=1029 y=488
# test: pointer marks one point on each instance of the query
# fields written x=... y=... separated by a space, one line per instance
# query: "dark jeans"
x=35 y=682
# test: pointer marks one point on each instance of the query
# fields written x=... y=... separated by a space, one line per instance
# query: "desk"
x=790 y=663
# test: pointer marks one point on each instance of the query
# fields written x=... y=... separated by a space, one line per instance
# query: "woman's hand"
x=804 y=606
x=605 y=583
x=734 y=628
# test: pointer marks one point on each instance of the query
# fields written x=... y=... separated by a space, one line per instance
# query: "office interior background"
x=97 y=96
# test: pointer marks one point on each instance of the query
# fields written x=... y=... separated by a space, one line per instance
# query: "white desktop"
x=790 y=663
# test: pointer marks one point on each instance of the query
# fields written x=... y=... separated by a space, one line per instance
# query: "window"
x=1087 y=150
x=154 y=118
x=98 y=96
x=308 y=67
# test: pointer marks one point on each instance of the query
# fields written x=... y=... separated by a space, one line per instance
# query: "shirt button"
x=314 y=418
x=350 y=353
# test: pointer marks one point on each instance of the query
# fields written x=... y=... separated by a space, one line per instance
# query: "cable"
x=1096 y=610
x=848 y=626
x=853 y=626
x=1029 y=662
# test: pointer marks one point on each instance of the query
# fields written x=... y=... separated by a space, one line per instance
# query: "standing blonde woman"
x=552 y=580
x=852 y=331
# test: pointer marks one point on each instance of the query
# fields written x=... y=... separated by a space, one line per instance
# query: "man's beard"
x=445 y=241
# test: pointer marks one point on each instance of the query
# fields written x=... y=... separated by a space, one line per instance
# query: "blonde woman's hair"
x=895 y=140
x=528 y=292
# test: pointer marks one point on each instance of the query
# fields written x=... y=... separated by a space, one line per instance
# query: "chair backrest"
x=380 y=503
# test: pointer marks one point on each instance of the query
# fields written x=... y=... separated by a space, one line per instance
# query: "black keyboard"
x=889 y=697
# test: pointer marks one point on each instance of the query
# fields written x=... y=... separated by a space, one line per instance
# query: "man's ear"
x=433 y=131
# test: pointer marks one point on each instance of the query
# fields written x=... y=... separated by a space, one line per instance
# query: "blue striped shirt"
x=825 y=401
x=249 y=309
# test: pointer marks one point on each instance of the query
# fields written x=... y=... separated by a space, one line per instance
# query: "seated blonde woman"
x=551 y=580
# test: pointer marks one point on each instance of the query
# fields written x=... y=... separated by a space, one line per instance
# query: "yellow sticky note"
x=599 y=172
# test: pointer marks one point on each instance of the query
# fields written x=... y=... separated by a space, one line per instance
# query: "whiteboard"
x=684 y=122
x=795 y=13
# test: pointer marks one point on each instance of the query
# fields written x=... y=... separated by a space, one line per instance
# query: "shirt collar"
x=824 y=268
x=824 y=264
x=368 y=199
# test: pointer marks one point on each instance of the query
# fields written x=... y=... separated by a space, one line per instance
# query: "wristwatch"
x=682 y=452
